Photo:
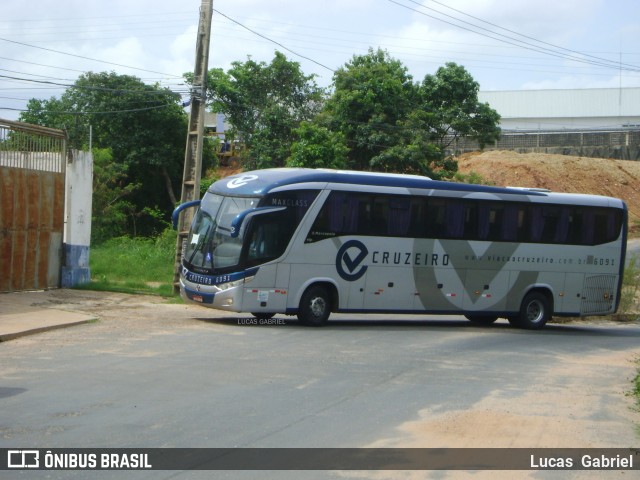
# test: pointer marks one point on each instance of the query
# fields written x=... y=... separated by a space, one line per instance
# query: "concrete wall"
x=77 y=219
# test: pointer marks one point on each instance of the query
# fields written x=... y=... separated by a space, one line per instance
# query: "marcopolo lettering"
x=419 y=259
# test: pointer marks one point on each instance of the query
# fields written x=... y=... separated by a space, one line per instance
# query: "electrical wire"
x=613 y=64
x=510 y=41
x=88 y=58
x=273 y=41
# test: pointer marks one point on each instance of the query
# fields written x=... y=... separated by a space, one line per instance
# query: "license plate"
x=197 y=298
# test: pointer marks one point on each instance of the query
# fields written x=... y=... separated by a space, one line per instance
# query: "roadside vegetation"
x=636 y=389
x=630 y=295
x=134 y=265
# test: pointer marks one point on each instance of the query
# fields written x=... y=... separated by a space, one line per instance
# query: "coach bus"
x=310 y=242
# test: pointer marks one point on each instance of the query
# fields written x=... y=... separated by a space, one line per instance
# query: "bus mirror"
x=239 y=224
x=176 y=213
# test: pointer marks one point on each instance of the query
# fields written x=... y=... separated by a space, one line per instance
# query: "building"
x=578 y=109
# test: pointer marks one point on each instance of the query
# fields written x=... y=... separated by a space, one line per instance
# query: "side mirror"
x=239 y=224
x=176 y=213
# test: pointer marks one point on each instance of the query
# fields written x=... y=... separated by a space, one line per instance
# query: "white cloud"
x=160 y=35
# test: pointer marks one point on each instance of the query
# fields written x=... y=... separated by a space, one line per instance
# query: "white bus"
x=310 y=242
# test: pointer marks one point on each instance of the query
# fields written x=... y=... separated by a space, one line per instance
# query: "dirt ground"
x=560 y=173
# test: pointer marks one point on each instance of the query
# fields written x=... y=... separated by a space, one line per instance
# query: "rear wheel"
x=482 y=319
x=535 y=311
x=315 y=306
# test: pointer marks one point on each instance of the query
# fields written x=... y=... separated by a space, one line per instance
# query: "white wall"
x=566 y=109
x=77 y=219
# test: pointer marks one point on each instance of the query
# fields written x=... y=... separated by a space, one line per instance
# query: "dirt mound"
x=559 y=173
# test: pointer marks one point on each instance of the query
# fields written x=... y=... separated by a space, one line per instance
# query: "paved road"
x=221 y=382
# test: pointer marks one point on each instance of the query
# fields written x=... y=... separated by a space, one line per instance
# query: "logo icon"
x=23 y=459
x=349 y=260
x=241 y=181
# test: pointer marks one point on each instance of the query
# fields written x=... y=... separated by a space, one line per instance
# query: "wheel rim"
x=318 y=306
x=535 y=312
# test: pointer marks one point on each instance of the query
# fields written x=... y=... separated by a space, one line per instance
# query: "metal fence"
x=514 y=140
x=32 y=192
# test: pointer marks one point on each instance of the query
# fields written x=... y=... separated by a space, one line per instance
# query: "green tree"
x=144 y=126
x=415 y=152
x=112 y=207
x=372 y=93
x=394 y=125
x=451 y=97
x=264 y=103
x=318 y=147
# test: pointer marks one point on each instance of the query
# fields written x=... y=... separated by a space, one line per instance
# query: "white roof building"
x=592 y=108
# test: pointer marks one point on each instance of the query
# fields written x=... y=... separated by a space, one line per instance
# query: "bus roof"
x=261 y=182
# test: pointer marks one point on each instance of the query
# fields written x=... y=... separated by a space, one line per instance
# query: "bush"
x=630 y=287
x=134 y=265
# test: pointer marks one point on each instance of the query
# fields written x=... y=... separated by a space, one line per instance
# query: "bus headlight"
x=236 y=283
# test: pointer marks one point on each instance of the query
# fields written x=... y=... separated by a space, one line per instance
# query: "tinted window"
x=348 y=213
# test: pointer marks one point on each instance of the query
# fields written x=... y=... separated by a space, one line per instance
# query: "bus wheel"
x=481 y=319
x=315 y=306
x=535 y=311
x=262 y=315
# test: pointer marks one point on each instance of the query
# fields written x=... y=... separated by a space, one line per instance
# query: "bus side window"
x=455 y=217
x=435 y=218
x=511 y=223
x=269 y=236
x=495 y=222
x=330 y=220
x=379 y=224
x=399 y=216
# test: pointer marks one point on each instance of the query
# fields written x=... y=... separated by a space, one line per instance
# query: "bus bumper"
x=230 y=299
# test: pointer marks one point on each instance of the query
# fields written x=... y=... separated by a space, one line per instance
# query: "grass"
x=636 y=388
x=134 y=265
x=629 y=303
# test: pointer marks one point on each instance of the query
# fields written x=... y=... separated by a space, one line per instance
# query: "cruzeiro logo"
x=349 y=258
x=241 y=181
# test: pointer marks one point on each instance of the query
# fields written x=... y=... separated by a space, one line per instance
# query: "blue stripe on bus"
x=217 y=279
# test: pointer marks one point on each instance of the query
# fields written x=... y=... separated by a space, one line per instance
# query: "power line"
x=511 y=40
x=90 y=87
x=87 y=58
x=132 y=110
x=614 y=64
x=273 y=41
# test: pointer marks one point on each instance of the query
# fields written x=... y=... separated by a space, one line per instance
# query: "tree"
x=415 y=152
x=264 y=103
x=372 y=93
x=112 y=207
x=451 y=96
x=394 y=125
x=318 y=147
x=144 y=126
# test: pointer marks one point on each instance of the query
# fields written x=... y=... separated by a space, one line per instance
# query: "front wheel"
x=535 y=311
x=315 y=306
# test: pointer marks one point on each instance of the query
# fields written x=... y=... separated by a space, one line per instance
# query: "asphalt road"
x=223 y=382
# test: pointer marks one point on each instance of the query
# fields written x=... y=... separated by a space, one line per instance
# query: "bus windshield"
x=210 y=245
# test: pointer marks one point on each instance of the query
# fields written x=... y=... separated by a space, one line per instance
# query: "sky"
x=46 y=45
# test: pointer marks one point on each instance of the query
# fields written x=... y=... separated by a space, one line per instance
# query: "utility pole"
x=195 y=134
